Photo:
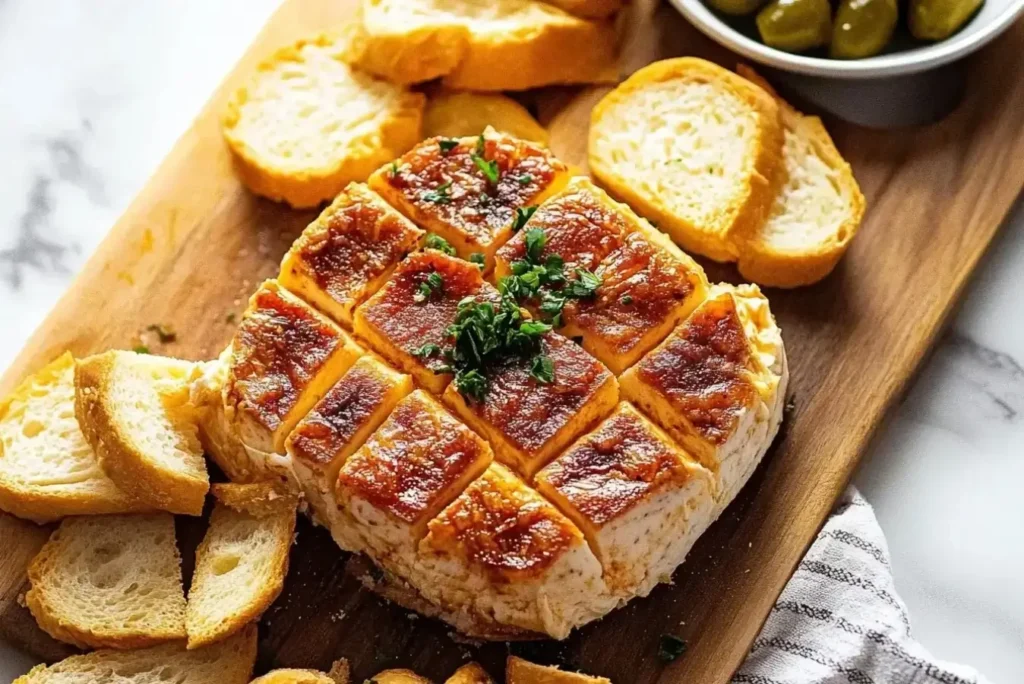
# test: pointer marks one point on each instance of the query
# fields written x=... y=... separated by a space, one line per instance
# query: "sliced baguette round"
x=476 y=45
x=693 y=147
x=815 y=214
x=460 y=114
x=47 y=468
x=109 y=582
x=308 y=124
x=294 y=676
x=135 y=412
x=241 y=563
x=228 y=662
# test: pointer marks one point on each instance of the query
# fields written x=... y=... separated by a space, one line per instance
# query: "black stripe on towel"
x=852 y=674
x=856 y=542
x=847 y=577
x=741 y=678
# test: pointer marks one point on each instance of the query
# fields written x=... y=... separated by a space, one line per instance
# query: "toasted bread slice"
x=456 y=115
x=109 y=582
x=228 y=662
x=815 y=214
x=308 y=124
x=594 y=9
x=398 y=677
x=294 y=676
x=470 y=673
x=242 y=561
x=695 y=148
x=135 y=412
x=519 y=671
x=47 y=468
x=471 y=43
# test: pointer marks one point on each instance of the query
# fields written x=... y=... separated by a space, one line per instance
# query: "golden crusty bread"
x=398 y=677
x=519 y=671
x=307 y=124
x=109 y=582
x=242 y=562
x=470 y=673
x=456 y=115
x=294 y=676
x=815 y=214
x=47 y=468
x=695 y=148
x=589 y=8
x=135 y=412
x=471 y=43
x=227 y=662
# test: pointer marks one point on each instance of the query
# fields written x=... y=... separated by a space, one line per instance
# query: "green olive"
x=795 y=25
x=863 y=28
x=736 y=7
x=939 y=19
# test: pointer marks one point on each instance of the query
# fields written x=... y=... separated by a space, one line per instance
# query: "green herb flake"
x=447 y=145
x=140 y=349
x=626 y=300
x=394 y=169
x=525 y=179
x=230 y=318
x=535 y=241
x=471 y=383
x=488 y=168
x=478 y=259
x=584 y=285
x=442 y=195
x=165 y=333
x=543 y=369
x=670 y=647
x=435 y=241
x=534 y=328
x=427 y=350
x=480 y=148
x=433 y=283
x=523 y=215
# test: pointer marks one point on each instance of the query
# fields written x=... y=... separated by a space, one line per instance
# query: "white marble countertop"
x=94 y=94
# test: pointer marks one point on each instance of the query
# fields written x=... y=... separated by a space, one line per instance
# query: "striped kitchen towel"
x=840 y=621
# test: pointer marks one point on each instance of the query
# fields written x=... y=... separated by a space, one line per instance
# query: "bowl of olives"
x=852 y=38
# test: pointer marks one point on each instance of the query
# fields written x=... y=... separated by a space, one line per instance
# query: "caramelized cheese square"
x=414 y=465
x=467 y=190
x=339 y=424
x=647 y=283
x=639 y=499
x=399 y=320
x=283 y=358
x=527 y=421
x=348 y=252
x=709 y=387
x=501 y=551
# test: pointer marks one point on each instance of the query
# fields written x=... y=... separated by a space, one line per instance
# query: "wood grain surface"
x=194 y=244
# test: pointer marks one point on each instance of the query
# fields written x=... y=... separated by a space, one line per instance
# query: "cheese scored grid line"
x=544 y=504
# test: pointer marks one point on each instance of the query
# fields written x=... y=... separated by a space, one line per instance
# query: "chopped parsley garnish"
x=472 y=384
x=443 y=194
x=489 y=169
x=164 y=332
x=670 y=647
x=427 y=350
x=525 y=179
x=543 y=369
x=447 y=145
x=478 y=259
x=626 y=299
x=535 y=241
x=394 y=169
x=433 y=283
x=435 y=241
x=523 y=215
x=140 y=349
x=584 y=285
x=479 y=151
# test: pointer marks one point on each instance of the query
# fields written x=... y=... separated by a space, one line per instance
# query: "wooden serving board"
x=194 y=244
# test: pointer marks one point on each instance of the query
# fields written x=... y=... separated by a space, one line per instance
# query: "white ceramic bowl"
x=994 y=17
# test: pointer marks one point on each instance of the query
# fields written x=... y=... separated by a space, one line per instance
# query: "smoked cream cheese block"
x=523 y=403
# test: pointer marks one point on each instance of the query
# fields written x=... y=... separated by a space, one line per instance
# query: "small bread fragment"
x=444 y=186
x=457 y=115
x=348 y=252
x=338 y=425
x=594 y=9
x=227 y=662
x=471 y=44
x=308 y=124
x=815 y=214
x=293 y=676
x=470 y=673
x=519 y=671
x=241 y=563
x=47 y=468
x=695 y=148
x=398 y=677
x=136 y=413
x=109 y=582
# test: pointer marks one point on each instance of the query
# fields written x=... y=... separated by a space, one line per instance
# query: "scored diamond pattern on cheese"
x=414 y=465
x=648 y=284
x=347 y=253
x=469 y=194
x=338 y=425
x=638 y=497
x=708 y=386
x=501 y=550
x=403 y=316
x=529 y=422
x=538 y=506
